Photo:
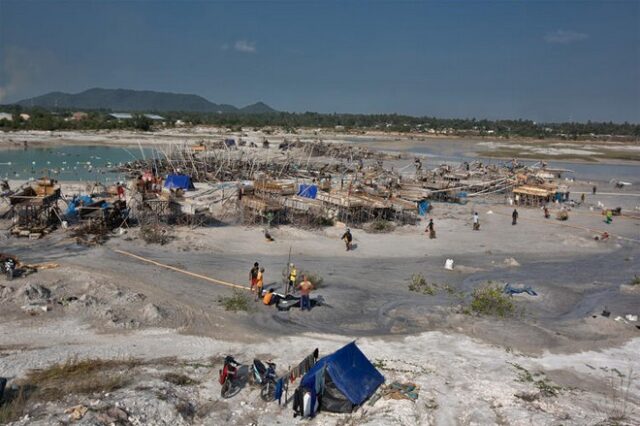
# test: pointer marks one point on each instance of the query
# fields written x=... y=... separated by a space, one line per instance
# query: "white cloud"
x=245 y=46
x=565 y=37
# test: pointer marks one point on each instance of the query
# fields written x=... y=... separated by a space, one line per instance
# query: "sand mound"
x=152 y=313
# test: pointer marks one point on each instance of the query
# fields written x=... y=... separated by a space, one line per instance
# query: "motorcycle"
x=264 y=376
x=227 y=376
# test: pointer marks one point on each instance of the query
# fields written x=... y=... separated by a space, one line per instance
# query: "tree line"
x=43 y=119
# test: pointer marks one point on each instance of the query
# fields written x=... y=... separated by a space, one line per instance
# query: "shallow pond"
x=68 y=163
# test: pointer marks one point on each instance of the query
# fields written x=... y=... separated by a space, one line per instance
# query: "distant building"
x=129 y=116
x=121 y=115
x=25 y=117
x=6 y=116
x=154 y=117
x=79 y=116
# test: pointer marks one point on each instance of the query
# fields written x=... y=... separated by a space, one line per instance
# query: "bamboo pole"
x=173 y=268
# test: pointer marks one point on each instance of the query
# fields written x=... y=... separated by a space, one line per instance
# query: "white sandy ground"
x=137 y=310
x=462 y=381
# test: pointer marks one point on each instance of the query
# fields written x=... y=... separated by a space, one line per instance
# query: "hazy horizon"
x=543 y=61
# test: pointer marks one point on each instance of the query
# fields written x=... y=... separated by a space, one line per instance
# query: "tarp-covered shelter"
x=344 y=379
x=179 y=182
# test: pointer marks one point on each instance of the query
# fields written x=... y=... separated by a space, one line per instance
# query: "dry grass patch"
x=73 y=377
x=179 y=379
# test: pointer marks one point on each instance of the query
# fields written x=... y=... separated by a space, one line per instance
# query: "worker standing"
x=305 y=288
x=253 y=276
x=514 y=217
x=594 y=190
x=609 y=217
x=546 y=212
x=293 y=275
x=476 y=221
x=347 y=238
x=259 y=283
x=582 y=198
x=120 y=191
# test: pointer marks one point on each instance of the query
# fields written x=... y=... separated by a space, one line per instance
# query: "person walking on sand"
x=347 y=238
x=259 y=283
x=582 y=198
x=253 y=276
x=476 y=221
x=431 y=230
x=546 y=212
x=593 y=190
x=305 y=288
x=514 y=217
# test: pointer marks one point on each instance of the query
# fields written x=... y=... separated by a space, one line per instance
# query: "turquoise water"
x=68 y=163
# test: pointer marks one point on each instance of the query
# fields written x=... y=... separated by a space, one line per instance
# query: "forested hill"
x=136 y=100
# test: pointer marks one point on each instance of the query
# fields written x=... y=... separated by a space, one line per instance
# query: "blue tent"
x=343 y=380
x=178 y=182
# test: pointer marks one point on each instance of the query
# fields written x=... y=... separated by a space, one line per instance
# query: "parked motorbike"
x=265 y=376
x=228 y=376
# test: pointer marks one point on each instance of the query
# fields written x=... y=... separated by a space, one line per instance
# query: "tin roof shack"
x=35 y=209
x=536 y=196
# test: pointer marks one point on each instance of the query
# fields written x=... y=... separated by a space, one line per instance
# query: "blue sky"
x=542 y=60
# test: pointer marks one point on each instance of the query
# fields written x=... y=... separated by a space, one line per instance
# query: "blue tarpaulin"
x=351 y=372
x=309 y=191
x=78 y=200
x=178 y=182
x=423 y=207
x=508 y=289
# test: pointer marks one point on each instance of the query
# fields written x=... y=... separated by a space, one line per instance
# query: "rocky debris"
x=113 y=415
x=34 y=292
x=5 y=292
x=511 y=262
x=128 y=296
x=87 y=300
x=77 y=412
x=33 y=308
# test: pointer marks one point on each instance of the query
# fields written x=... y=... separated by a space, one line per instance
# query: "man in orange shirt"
x=259 y=283
x=305 y=288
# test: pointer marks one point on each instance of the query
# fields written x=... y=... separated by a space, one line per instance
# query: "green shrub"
x=491 y=300
x=419 y=284
x=239 y=301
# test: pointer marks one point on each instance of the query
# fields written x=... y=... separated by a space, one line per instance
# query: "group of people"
x=256 y=279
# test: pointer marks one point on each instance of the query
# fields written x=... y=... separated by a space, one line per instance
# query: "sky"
x=539 y=60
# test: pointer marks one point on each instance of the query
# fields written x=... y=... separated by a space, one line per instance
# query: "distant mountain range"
x=138 y=100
